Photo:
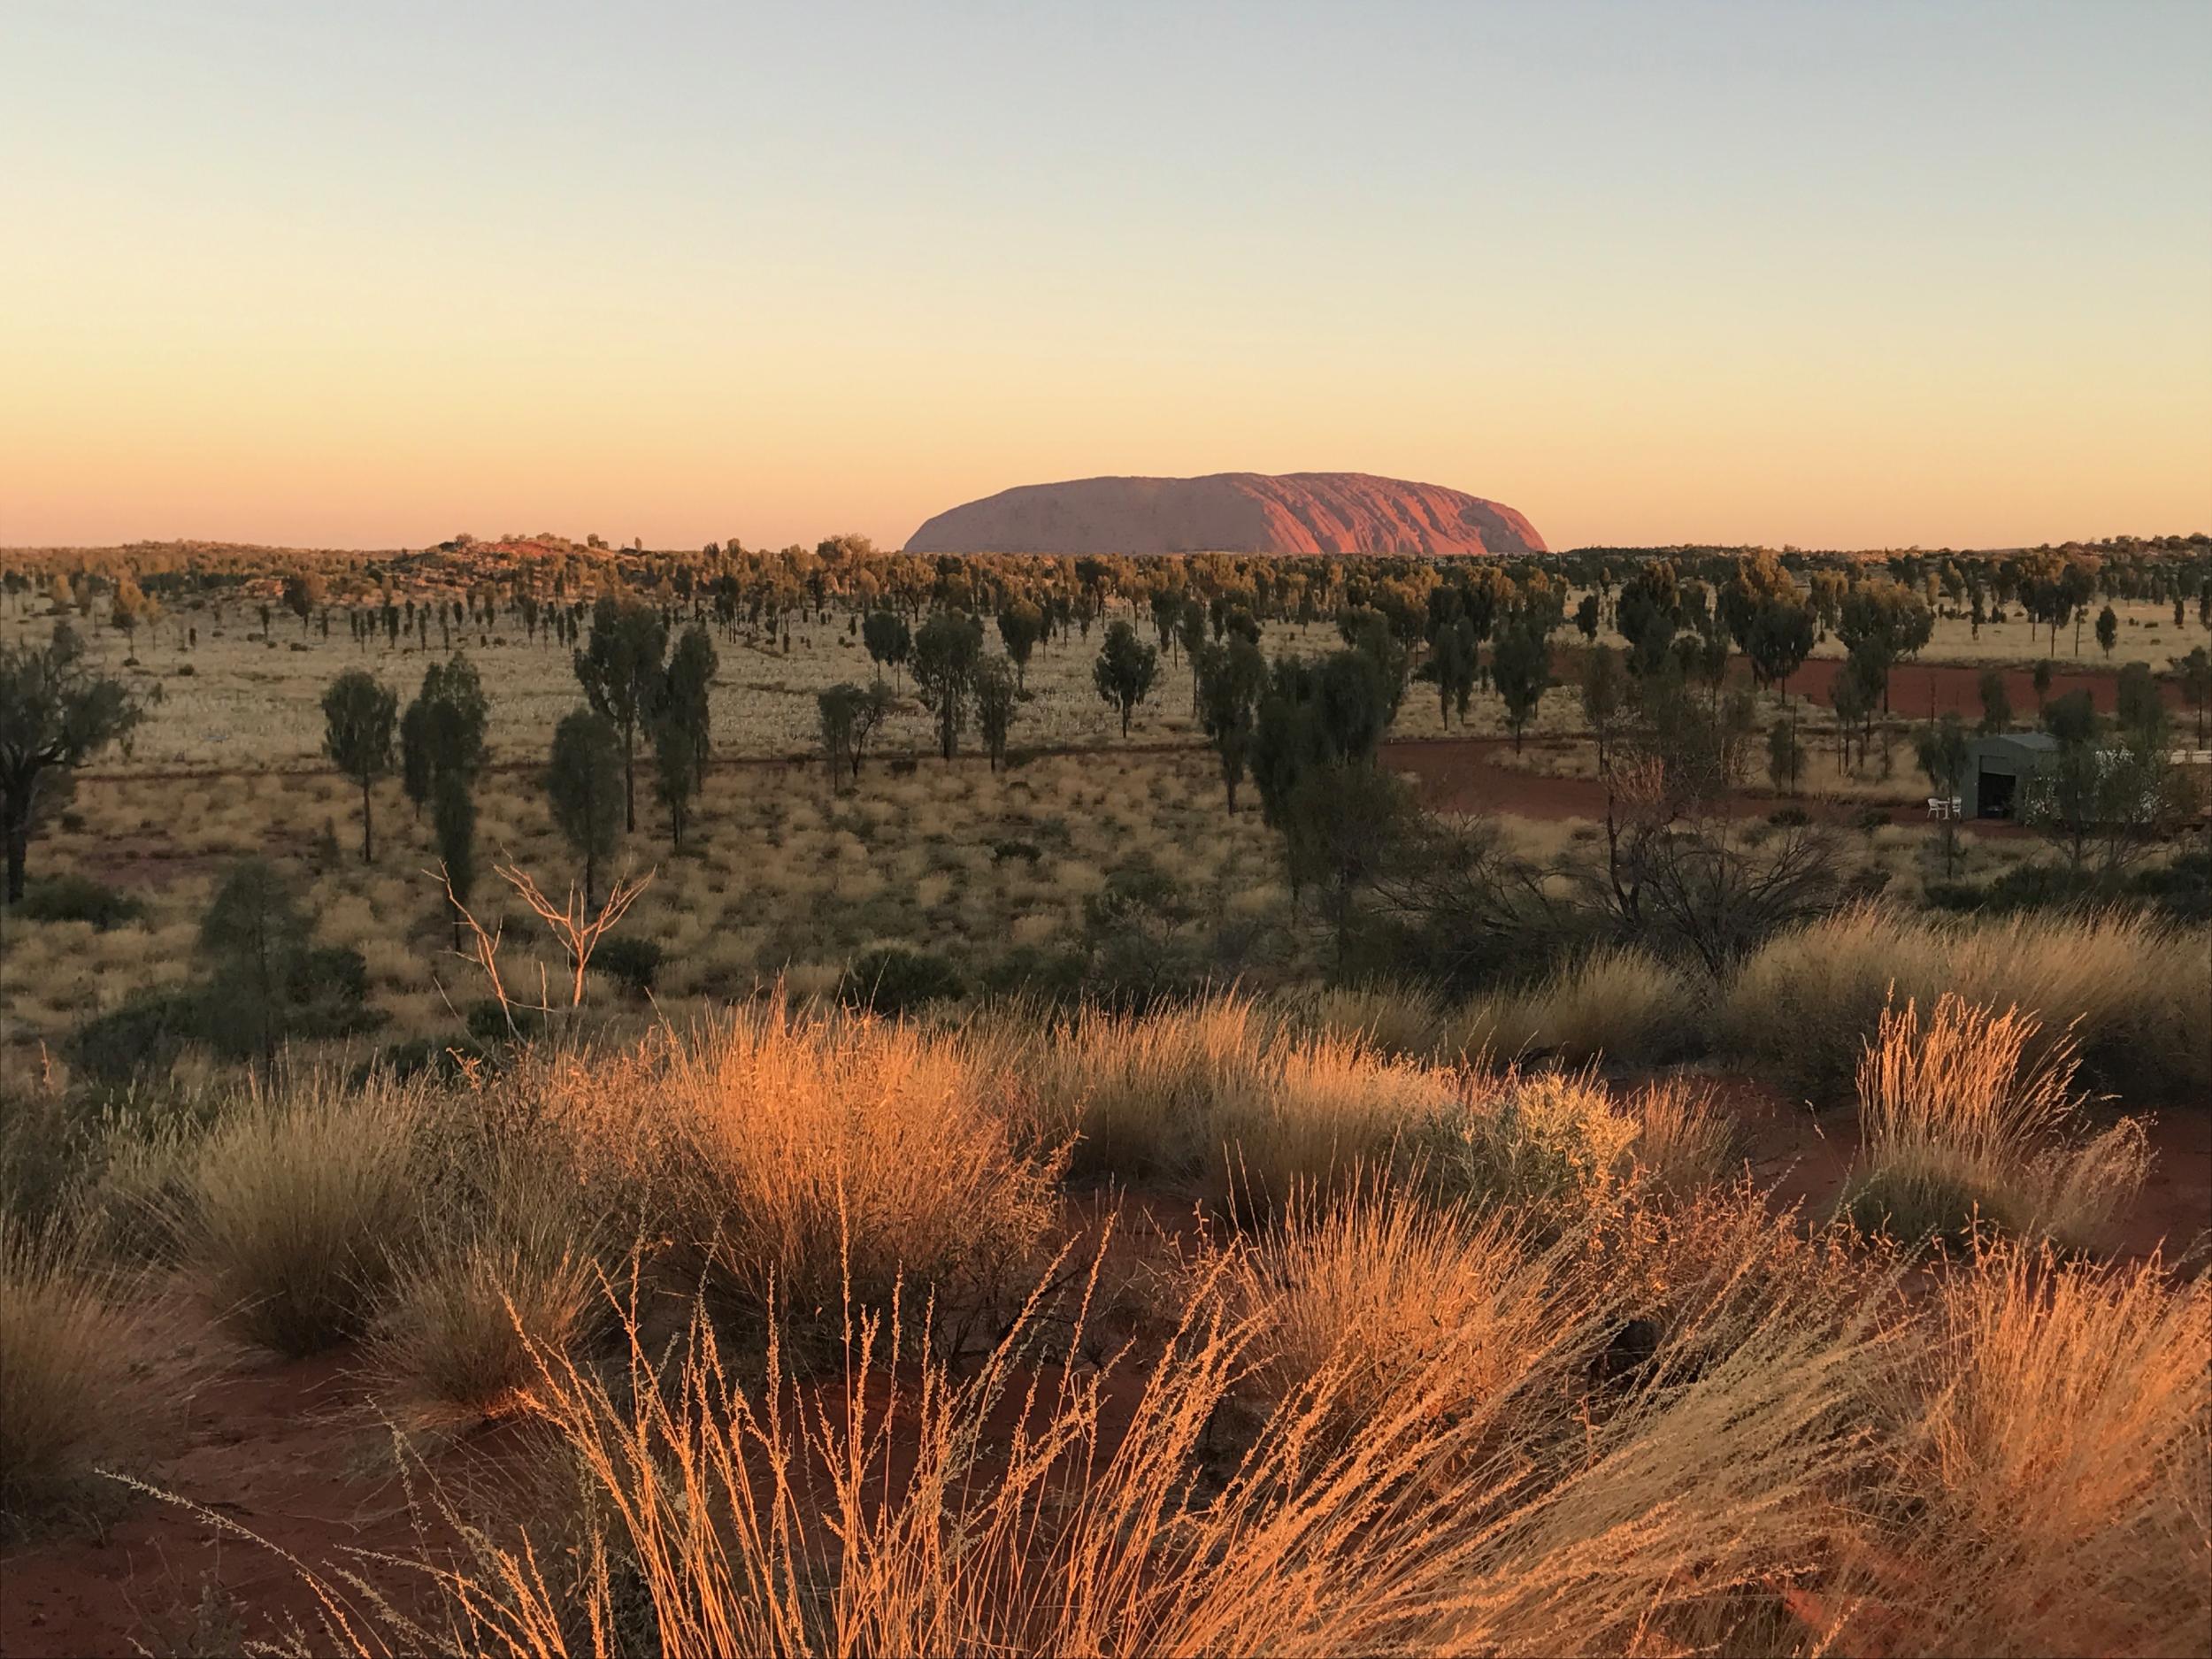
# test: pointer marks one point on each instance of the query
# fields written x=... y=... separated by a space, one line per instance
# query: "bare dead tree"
x=483 y=946
x=578 y=928
x=1719 y=886
x=1466 y=909
x=1681 y=869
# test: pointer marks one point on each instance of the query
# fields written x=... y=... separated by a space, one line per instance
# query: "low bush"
x=443 y=1059
x=633 y=963
x=2179 y=891
x=492 y=1023
x=71 y=898
x=141 y=1036
x=1543 y=1141
x=896 y=980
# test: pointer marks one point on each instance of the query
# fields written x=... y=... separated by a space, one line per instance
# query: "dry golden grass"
x=1958 y=1122
x=1027 y=1507
x=454 y=1332
x=1621 y=1005
x=1235 y=1098
x=68 y=1394
x=784 y=1159
x=1246 y=1104
x=1385 y=1286
x=1138 y=1096
x=516 y=1261
x=1396 y=1022
x=1498 y=1363
x=2135 y=996
x=2050 y=1477
x=1683 y=1142
x=291 y=1211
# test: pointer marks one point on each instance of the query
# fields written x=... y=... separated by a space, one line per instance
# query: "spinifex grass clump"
x=772 y=1157
x=67 y=1397
x=2048 y=1450
x=1023 y=1505
x=291 y=1209
x=1624 y=1006
x=2133 y=994
x=1960 y=1125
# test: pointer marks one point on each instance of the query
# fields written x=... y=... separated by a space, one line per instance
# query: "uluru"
x=1231 y=512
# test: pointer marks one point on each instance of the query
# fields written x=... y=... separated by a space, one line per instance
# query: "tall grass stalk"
x=1971 y=1114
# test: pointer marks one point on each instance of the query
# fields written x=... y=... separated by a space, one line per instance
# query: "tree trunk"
x=18 y=832
x=368 y=847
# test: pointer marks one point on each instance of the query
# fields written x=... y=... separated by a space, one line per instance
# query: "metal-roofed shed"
x=1994 y=767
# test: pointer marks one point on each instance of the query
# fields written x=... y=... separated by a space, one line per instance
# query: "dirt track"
x=1467 y=775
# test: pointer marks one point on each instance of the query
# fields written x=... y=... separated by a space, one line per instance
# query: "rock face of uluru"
x=1230 y=513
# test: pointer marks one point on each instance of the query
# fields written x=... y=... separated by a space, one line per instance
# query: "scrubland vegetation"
x=939 y=1193
x=820 y=1339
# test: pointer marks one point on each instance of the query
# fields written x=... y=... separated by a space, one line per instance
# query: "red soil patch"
x=1474 y=775
x=285 y=1449
x=1803 y=1157
x=1918 y=691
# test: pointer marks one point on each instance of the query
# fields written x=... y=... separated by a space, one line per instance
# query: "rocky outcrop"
x=1230 y=513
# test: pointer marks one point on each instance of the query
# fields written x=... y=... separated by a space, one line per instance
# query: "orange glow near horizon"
x=275 y=281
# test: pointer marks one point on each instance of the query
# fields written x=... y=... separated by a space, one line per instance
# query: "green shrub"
x=896 y=980
x=142 y=1035
x=78 y=899
x=2183 y=889
x=1039 y=974
x=267 y=982
x=486 y=1021
x=635 y=963
x=425 y=1056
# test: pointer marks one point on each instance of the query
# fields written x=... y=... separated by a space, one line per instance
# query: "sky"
x=1816 y=274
